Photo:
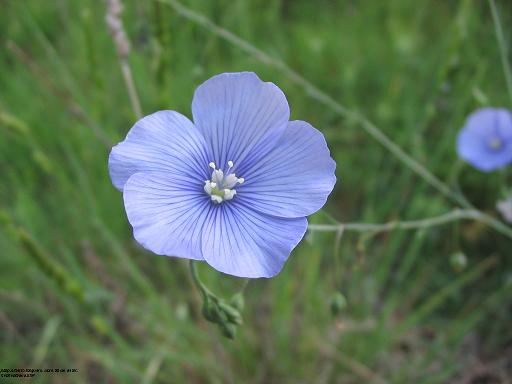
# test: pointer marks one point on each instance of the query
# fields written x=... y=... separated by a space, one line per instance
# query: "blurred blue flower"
x=486 y=140
x=234 y=187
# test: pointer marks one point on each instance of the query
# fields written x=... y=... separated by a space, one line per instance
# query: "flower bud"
x=458 y=261
x=211 y=311
x=228 y=330
x=237 y=301
x=232 y=315
x=337 y=303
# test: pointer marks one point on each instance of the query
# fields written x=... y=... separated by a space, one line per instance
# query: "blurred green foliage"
x=76 y=291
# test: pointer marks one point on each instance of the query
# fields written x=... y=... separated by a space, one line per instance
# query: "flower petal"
x=486 y=122
x=471 y=148
x=242 y=242
x=163 y=141
x=236 y=113
x=295 y=178
x=167 y=213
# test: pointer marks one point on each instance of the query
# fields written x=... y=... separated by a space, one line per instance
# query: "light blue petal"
x=163 y=141
x=471 y=148
x=485 y=122
x=238 y=113
x=294 y=179
x=242 y=242
x=167 y=213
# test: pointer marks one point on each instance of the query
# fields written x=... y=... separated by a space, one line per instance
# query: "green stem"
x=455 y=215
x=502 y=46
x=205 y=292
x=244 y=285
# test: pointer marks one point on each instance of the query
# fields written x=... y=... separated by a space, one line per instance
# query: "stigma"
x=221 y=186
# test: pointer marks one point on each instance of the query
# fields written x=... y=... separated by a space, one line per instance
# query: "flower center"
x=495 y=143
x=221 y=186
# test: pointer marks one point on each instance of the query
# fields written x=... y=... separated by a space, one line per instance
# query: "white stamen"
x=217 y=175
x=216 y=199
x=221 y=185
x=229 y=194
x=229 y=181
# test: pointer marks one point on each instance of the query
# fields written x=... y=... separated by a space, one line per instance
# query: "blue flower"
x=486 y=140
x=234 y=187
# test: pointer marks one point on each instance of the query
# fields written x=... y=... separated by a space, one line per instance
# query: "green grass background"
x=76 y=291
